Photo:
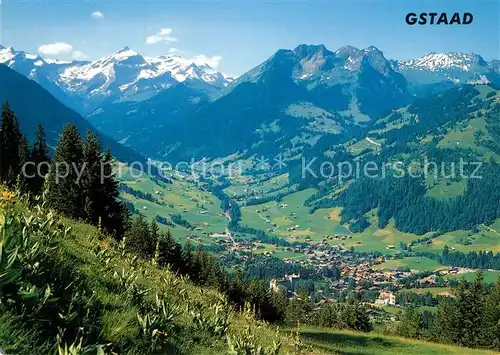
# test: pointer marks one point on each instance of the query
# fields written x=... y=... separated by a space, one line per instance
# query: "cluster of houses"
x=353 y=267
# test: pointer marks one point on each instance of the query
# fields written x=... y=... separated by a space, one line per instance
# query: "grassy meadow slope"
x=94 y=284
x=352 y=343
x=182 y=197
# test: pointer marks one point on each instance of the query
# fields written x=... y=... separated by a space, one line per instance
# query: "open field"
x=280 y=218
x=412 y=263
x=490 y=276
x=488 y=238
x=290 y=212
x=433 y=290
x=384 y=240
x=353 y=343
x=446 y=189
x=395 y=310
x=464 y=138
x=360 y=146
x=245 y=185
x=200 y=208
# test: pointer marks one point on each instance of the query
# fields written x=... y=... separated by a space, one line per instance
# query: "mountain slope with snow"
x=122 y=75
x=447 y=69
x=33 y=105
x=446 y=61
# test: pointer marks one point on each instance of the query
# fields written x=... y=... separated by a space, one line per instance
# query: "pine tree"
x=94 y=201
x=114 y=214
x=257 y=297
x=461 y=321
x=214 y=274
x=277 y=305
x=40 y=159
x=170 y=252
x=238 y=290
x=327 y=316
x=24 y=158
x=361 y=320
x=491 y=329
x=446 y=328
x=299 y=308
x=201 y=267
x=411 y=325
x=138 y=238
x=10 y=137
x=155 y=235
x=65 y=192
x=155 y=231
x=474 y=316
x=189 y=266
x=344 y=316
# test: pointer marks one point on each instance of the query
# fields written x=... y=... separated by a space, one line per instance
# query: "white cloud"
x=97 y=15
x=162 y=36
x=203 y=59
x=53 y=49
x=174 y=50
x=78 y=55
x=61 y=48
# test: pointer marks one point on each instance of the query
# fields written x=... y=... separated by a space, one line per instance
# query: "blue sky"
x=237 y=35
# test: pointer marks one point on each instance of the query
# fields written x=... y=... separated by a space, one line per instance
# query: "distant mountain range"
x=438 y=70
x=33 y=105
x=169 y=107
x=293 y=98
x=125 y=74
x=316 y=66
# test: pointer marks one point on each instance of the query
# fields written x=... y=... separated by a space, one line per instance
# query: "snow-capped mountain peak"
x=124 y=54
x=445 y=61
x=117 y=76
x=451 y=67
x=6 y=53
x=182 y=69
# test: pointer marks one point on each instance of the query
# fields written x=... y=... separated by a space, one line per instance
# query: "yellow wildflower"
x=7 y=195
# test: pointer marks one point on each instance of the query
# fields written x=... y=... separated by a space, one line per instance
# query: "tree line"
x=416 y=299
x=352 y=315
x=15 y=152
x=471 y=318
x=267 y=268
x=473 y=259
x=78 y=181
x=147 y=241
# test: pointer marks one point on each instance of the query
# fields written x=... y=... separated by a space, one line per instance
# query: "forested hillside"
x=424 y=147
x=35 y=106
